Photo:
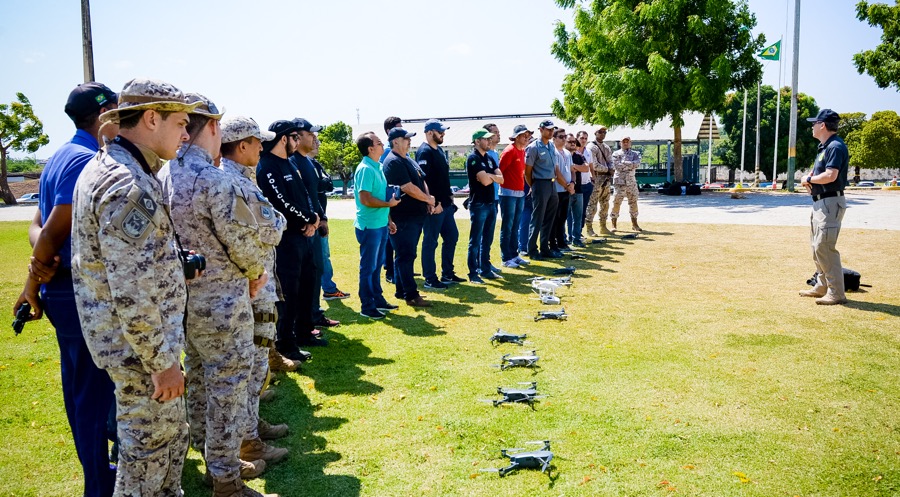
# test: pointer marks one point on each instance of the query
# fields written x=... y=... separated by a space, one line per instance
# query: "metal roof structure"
x=696 y=128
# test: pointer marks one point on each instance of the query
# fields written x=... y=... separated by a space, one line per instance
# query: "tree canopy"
x=636 y=62
x=338 y=153
x=20 y=130
x=882 y=63
x=732 y=117
x=876 y=144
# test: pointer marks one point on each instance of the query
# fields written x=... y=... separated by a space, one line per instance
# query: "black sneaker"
x=435 y=285
x=387 y=307
x=452 y=279
x=491 y=276
x=476 y=279
x=297 y=355
x=376 y=314
x=555 y=254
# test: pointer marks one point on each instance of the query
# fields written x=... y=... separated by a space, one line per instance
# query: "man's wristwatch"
x=809 y=179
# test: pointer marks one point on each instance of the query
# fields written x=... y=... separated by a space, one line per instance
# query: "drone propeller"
x=489 y=470
x=537 y=442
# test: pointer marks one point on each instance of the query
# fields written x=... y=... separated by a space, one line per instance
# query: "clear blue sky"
x=275 y=59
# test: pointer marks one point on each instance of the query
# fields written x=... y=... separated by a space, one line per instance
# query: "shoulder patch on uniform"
x=142 y=199
x=266 y=212
x=135 y=223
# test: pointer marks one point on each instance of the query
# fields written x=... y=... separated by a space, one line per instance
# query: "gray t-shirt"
x=542 y=159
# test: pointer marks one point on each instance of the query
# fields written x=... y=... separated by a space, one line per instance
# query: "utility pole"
x=792 y=143
x=86 y=42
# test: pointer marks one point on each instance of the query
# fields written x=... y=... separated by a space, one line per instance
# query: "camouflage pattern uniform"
x=271 y=225
x=602 y=167
x=214 y=218
x=625 y=164
x=130 y=292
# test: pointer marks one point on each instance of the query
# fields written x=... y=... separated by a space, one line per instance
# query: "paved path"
x=866 y=209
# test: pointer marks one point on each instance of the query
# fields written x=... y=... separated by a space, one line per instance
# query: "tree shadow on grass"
x=303 y=472
x=893 y=310
x=416 y=326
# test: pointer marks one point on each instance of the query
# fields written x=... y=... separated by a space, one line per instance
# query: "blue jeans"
x=372 y=244
x=88 y=392
x=405 y=242
x=328 y=284
x=575 y=218
x=525 y=223
x=443 y=225
x=483 y=216
x=511 y=212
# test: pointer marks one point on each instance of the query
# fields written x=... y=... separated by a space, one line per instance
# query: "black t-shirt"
x=476 y=163
x=310 y=177
x=437 y=172
x=400 y=170
x=832 y=154
x=578 y=160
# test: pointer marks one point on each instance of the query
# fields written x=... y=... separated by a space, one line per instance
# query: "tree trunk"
x=5 y=193
x=677 y=163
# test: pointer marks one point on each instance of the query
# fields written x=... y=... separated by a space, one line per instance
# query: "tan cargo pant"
x=600 y=196
x=825 y=226
x=631 y=192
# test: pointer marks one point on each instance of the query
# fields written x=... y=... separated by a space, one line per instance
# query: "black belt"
x=816 y=198
x=264 y=317
x=263 y=342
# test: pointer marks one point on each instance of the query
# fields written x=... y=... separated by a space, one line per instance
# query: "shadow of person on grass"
x=893 y=310
x=416 y=326
x=336 y=369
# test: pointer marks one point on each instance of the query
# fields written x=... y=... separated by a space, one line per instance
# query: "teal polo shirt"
x=369 y=177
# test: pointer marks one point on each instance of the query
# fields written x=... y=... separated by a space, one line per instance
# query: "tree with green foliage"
x=849 y=130
x=732 y=120
x=636 y=62
x=878 y=145
x=883 y=63
x=20 y=130
x=338 y=152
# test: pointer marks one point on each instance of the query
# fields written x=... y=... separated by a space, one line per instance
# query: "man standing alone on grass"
x=483 y=172
x=372 y=225
x=826 y=184
x=433 y=161
x=88 y=393
x=409 y=215
x=625 y=162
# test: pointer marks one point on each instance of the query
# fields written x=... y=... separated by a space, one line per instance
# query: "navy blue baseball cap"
x=435 y=125
x=547 y=124
x=825 y=115
x=87 y=99
x=399 y=133
x=304 y=125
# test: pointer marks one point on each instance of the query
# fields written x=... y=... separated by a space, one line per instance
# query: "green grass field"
x=688 y=366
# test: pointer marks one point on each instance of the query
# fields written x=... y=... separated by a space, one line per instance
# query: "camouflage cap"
x=240 y=127
x=206 y=108
x=144 y=94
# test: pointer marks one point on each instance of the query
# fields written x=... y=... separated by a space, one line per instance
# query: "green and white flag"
x=772 y=52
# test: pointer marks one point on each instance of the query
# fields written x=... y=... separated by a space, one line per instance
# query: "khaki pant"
x=153 y=438
x=600 y=196
x=825 y=226
x=631 y=192
x=259 y=364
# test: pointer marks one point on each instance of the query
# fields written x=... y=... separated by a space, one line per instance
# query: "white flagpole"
x=756 y=158
x=777 y=119
x=743 y=139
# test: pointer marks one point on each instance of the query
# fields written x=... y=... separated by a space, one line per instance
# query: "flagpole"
x=792 y=140
x=777 y=119
x=758 y=98
x=743 y=139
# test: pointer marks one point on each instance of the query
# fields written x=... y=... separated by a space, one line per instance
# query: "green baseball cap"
x=482 y=133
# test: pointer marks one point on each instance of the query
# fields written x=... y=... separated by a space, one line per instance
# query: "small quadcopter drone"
x=565 y=270
x=518 y=361
x=559 y=315
x=504 y=337
x=574 y=256
x=520 y=458
x=629 y=236
x=517 y=395
x=598 y=240
x=546 y=290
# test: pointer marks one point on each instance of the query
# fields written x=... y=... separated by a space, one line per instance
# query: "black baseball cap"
x=825 y=115
x=304 y=125
x=87 y=99
x=282 y=127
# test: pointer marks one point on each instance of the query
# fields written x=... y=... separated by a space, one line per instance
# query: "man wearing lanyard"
x=826 y=185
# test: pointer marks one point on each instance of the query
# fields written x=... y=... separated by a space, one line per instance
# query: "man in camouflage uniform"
x=129 y=284
x=241 y=146
x=625 y=162
x=215 y=219
x=602 y=165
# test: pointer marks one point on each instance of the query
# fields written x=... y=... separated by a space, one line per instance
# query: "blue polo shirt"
x=542 y=159
x=370 y=178
x=58 y=180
